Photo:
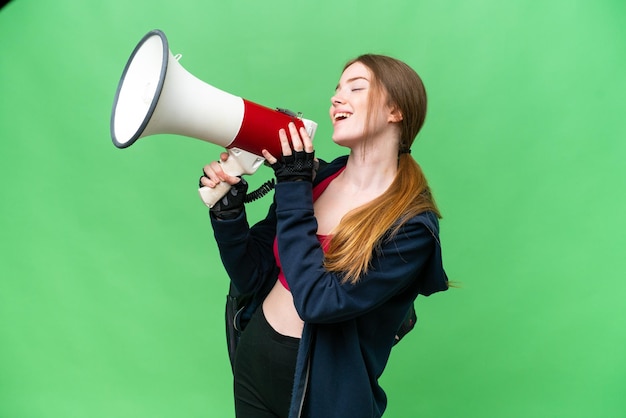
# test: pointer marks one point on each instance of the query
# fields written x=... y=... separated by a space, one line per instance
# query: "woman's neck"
x=371 y=167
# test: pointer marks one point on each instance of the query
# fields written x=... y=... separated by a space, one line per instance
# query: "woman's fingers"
x=300 y=141
x=285 y=146
x=268 y=157
x=214 y=174
x=295 y=138
x=306 y=140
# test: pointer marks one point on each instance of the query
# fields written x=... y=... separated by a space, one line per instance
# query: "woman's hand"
x=231 y=205
x=296 y=165
x=213 y=174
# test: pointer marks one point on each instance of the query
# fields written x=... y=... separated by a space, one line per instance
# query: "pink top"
x=323 y=239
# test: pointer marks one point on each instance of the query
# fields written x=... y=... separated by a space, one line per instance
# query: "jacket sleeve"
x=247 y=253
x=410 y=258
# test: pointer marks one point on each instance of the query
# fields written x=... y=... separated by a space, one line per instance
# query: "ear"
x=395 y=115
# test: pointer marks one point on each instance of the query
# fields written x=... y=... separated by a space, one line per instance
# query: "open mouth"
x=342 y=116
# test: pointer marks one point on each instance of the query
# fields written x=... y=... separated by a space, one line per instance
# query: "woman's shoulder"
x=424 y=228
x=428 y=218
x=424 y=224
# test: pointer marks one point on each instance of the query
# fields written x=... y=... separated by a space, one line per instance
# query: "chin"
x=342 y=142
x=346 y=141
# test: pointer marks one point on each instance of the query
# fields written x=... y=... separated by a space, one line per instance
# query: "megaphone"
x=156 y=95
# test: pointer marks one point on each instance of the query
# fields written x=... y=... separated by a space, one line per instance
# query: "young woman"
x=341 y=256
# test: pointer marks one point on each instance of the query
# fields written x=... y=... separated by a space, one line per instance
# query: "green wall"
x=111 y=289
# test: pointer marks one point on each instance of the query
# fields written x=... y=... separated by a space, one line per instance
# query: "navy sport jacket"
x=349 y=329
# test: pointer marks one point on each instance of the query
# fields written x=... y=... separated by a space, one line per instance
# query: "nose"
x=336 y=100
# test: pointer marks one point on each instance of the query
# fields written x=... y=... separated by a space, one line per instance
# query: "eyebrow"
x=353 y=79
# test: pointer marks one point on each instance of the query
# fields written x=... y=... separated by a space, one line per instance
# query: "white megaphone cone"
x=156 y=95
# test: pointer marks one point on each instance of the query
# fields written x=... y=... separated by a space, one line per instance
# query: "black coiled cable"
x=261 y=191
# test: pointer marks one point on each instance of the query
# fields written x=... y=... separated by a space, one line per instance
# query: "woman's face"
x=348 y=110
x=350 y=105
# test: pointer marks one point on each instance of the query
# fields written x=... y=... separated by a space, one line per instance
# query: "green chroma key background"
x=112 y=292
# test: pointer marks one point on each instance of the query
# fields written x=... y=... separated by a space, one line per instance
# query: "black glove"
x=231 y=205
x=296 y=167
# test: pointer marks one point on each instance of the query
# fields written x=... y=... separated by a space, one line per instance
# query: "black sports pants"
x=264 y=370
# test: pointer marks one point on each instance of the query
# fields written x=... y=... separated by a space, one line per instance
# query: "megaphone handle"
x=239 y=162
x=210 y=196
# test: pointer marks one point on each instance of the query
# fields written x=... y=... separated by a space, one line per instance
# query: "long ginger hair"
x=361 y=232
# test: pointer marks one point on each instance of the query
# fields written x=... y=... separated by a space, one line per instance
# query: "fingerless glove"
x=296 y=167
x=231 y=205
